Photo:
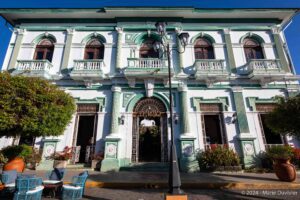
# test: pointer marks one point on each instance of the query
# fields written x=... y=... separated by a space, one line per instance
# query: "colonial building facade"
x=223 y=82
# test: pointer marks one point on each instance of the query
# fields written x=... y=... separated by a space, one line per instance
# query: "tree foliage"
x=285 y=118
x=33 y=107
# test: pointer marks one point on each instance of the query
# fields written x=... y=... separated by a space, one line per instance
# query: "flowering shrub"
x=216 y=156
x=66 y=154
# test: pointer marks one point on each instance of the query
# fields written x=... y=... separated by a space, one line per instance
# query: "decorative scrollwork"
x=149 y=107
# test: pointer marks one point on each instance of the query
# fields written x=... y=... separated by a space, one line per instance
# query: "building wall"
x=196 y=88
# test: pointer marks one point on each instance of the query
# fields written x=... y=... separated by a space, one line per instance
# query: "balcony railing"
x=33 y=65
x=89 y=65
x=87 y=69
x=147 y=67
x=147 y=63
x=210 y=68
x=264 y=66
x=36 y=68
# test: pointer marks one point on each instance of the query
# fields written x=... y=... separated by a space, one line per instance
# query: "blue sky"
x=292 y=32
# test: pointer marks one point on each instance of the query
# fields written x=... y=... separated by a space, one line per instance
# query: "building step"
x=79 y=167
x=147 y=167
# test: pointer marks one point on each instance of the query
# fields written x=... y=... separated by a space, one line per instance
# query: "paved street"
x=158 y=194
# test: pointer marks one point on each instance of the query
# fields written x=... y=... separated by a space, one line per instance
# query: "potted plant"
x=281 y=156
x=61 y=158
x=16 y=156
x=96 y=160
x=34 y=159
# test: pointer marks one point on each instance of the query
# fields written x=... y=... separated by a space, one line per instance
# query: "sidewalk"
x=232 y=180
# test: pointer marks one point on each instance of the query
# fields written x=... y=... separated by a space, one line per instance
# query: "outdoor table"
x=51 y=187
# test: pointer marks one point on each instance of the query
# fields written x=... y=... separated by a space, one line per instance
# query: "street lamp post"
x=174 y=176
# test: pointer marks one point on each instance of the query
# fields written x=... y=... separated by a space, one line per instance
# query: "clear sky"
x=292 y=32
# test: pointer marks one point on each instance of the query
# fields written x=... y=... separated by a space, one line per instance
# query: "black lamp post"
x=174 y=176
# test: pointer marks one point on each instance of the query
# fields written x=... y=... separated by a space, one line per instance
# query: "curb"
x=221 y=185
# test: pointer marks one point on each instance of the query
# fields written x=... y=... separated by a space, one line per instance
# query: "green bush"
x=280 y=152
x=12 y=152
x=33 y=106
x=217 y=157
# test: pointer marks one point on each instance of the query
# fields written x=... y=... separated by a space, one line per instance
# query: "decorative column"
x=280 y=50
x=14 y=56
x=244 y=137
x=67 y=51
x=180 y=55
x=187 y=160
x=111 y=161
x=119 y=48
x=229 y=50
x=49 y=147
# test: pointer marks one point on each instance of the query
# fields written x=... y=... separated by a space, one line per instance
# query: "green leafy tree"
x=33 y=107
x=285 y=118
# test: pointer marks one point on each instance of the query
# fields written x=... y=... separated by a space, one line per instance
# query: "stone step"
x=147 y=167
x=78 y=167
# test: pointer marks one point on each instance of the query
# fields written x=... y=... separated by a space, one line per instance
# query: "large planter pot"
x=60 y=163
x=17 y=163
x=284 y=170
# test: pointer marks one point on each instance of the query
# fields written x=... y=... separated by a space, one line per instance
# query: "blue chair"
x=75 y=190
x=28 y=188
x=8 y=178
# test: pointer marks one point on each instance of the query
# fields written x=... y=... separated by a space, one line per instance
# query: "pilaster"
x=116 y=103
x=119 y=48
x=184 y=118
x=49 y=147
x=111 y=159
x=246 y=140
x=180 y=50
x=229 y=50
x=67 y=50
x=187 y=160
x=279 y=45
x=15 y=53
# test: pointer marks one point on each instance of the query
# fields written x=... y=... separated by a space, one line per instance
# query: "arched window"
x=203 y=49
x=252 y=49
x=44 y=50
x=147 y=50
x=94 y=49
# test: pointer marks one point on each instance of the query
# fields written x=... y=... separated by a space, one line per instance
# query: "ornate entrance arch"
x=149 y=109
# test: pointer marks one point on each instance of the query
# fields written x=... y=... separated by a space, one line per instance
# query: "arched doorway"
x=149 y=134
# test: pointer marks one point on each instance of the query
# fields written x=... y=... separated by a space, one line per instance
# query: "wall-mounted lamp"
x=233 y=118
x=122 y=120
x=176 y=118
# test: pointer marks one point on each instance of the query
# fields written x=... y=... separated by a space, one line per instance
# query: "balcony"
x=264 y=67
x=33 y=68
x=87 y=70
x=147 y=68
x=210 y=70
x=265 y=70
